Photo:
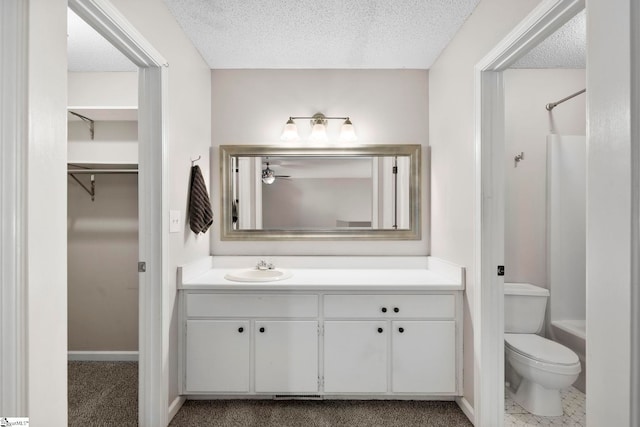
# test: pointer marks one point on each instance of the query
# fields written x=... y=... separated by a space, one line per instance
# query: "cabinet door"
x=355 y=356
x=217 y=356
x=286 y=356
x=423 y=357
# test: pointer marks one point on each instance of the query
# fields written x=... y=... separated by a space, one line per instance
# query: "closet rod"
x=550 y=106
x=99 y=171
x=92 y=191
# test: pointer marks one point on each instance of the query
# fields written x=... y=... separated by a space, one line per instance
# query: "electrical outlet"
x=175 y=225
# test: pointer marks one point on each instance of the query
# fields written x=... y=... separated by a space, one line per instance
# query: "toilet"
x=536 y=369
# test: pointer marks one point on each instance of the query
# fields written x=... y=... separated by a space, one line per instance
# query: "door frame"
x=14 y=138
x=153 y=334
x=489 y=204
x=635 y=214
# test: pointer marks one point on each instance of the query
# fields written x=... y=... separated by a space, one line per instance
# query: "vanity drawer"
x=441 y=306
x=240 y=305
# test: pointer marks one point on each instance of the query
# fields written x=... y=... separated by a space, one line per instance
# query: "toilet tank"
x=524 y=307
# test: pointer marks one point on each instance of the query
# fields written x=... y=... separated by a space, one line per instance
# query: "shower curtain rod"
x=550 y=106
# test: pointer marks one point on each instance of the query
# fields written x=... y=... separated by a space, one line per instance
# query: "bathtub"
x=573 y=334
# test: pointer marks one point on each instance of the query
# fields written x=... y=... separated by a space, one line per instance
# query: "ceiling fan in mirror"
x=269 y=176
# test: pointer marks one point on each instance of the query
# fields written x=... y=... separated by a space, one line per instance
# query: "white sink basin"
x=256 y=275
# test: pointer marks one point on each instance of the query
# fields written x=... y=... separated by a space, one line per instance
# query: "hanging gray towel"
x=200 y=214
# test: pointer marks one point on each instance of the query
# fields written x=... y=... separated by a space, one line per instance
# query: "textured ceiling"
x=320 y=34
x=566 y=48
x=89 y=51
x=347 y=34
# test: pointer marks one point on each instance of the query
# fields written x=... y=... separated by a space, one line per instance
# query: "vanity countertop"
x=427 y=274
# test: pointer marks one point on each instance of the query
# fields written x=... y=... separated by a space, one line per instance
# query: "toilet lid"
x=540 y=349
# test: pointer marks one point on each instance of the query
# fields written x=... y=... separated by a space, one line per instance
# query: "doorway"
x=102 y=229
x=545 y=211
x=152 y=200
x=490 y=203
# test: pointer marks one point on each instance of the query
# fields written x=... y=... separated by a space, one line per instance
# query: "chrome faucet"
x=263 y=265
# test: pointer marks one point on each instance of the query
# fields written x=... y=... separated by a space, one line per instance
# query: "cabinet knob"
x=261 y=330
x=396 y=310
x=380 y=330
x=401 y=330
x=384 y=309
x=241 y=329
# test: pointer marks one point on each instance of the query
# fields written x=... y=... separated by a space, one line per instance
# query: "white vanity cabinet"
x=355 y=356
x=359 y=327
x=423 y=356
x=286 y=356
x=390 y=344
x=249 y=343
x=217 y=356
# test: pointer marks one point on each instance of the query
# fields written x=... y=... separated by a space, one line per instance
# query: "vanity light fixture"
x=318 y=129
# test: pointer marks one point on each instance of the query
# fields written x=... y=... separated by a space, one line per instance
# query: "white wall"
x=385 y=106
x=316 y=203
x=189 y=135
x=114 y=142
x=46 y=290
x=527 y=124
x=103 y=89
x=451 y=136
x=609 y=213
x=102 y=264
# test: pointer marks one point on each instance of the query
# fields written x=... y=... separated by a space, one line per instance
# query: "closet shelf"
x=110 y=114
x=92 y=171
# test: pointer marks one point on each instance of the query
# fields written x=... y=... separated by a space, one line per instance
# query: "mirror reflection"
x=320 y=193
x=362 y=192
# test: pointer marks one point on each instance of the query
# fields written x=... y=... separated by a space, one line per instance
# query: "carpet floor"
x=323 y=413
x=106 y=394
x=103 y=394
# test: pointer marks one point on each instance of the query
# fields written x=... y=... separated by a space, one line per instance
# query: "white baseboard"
x=175 y=406
x=466 y=408
x=103 y=356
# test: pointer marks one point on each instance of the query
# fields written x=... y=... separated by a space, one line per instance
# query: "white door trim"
x=489 y=204
x=153 y=205
x=153 y=373
x=635 y=215
x=13 y=206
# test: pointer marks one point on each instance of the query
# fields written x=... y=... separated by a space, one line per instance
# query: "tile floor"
x=573 y=402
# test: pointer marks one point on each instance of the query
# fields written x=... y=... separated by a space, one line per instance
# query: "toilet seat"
x=541 y=349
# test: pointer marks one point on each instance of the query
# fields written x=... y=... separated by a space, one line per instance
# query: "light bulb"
x=318 y=133
x=290 y=131
x=347 y=132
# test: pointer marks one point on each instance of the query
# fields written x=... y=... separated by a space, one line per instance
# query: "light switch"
x=175 y=225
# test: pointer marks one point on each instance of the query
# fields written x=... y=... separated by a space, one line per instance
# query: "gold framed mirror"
x=357 y=192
